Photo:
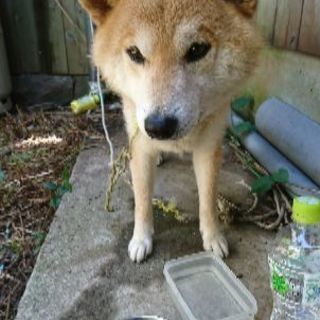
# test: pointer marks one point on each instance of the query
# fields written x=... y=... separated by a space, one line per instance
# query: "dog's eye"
x=197 y=51
x=135 y=55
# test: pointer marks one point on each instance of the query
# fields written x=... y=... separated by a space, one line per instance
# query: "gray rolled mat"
x=270 y=158
x=293 y=133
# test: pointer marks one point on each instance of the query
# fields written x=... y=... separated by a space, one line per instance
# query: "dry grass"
x=36 y=149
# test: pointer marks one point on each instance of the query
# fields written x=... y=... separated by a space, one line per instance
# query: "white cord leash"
x=105 y=128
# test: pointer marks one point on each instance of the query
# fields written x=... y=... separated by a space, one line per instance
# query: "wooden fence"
x=291 y=24
x=45 y=36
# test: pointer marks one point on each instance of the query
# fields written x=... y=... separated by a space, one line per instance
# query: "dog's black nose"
x=160 y=127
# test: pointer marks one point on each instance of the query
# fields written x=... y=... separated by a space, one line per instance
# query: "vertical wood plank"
x=56 y=50
x=287 y=25
x=266 y=15
x=75 y=41
x=40 y=8
x=25 y=35
x=7 y=18
x=309 y=40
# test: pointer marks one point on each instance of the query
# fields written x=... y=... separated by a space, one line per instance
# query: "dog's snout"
x=161 y=127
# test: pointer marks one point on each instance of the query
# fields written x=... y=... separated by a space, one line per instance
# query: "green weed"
x=59 y=189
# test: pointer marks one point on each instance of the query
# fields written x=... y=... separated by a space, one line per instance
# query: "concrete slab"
x=83 y=271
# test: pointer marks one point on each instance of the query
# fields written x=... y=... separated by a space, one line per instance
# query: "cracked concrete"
x=83 y=271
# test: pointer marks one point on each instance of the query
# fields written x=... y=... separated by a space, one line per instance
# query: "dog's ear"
x=98 y=9
x=246 y=7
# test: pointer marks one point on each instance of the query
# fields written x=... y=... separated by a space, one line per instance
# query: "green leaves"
x=266 y=183
x=262 y=185
x=242 y=129
x=58 y=190
x=52 y=186
x=66 y=185
x=55 y=202
x=243 y=106
x=281 y=176
x=2 y=176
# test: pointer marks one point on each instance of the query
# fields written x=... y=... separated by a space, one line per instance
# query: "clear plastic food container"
x=204 y=288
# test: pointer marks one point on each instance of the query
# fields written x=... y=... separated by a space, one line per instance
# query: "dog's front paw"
x=216 y=243
x=140 y=249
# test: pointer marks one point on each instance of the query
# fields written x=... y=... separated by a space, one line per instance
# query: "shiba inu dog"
x=176 y=64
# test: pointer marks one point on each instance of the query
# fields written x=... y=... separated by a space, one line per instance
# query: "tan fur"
x=199 y=93
x=247 y=7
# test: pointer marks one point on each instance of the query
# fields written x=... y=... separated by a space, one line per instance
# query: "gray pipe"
x=273 y=160
x=291 y=132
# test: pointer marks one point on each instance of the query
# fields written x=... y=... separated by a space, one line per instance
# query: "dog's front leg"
x=142 y=166
x=206 y=165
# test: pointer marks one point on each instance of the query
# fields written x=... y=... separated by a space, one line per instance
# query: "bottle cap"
x=306 y=210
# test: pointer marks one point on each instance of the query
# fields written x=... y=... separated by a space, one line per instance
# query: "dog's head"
x=174 y=61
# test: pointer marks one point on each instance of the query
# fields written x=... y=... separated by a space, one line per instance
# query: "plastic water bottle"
x=295 y=265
